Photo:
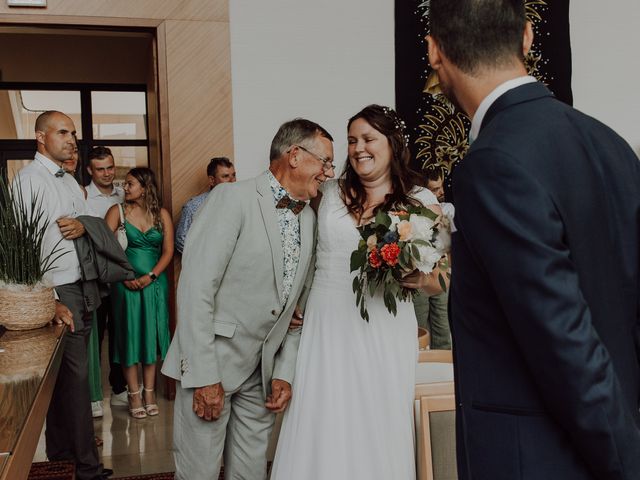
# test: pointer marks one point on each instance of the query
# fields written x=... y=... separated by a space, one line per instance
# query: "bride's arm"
x=429 y=283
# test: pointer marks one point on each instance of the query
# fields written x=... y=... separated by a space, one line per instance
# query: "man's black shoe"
x=106 y=473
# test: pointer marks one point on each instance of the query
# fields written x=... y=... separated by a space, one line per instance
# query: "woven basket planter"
x=27 y=307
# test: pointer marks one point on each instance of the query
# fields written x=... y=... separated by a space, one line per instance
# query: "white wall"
x=326 y=60
x=322 y=60
x=606 y=63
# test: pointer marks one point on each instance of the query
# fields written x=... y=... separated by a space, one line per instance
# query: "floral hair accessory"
x=399 y=123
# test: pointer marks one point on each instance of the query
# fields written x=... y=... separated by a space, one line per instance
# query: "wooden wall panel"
x=198 y=67
x=209 y=10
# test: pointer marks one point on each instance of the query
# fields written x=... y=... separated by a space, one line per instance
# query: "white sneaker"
x=119 y=399
x=96 y=409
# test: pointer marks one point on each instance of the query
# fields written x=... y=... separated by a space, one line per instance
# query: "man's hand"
x=70 y=228
x=297 y=319
x=63 y=315
x=280 y=396
x=208 y=401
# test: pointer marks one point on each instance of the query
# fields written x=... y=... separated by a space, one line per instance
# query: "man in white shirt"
x=102 y=194
x=69 y=432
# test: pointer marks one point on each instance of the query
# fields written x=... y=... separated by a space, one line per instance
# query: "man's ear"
x=212 y=181
x=40 y=136
x=293 y=159
x=527 y=39
x=433 y=50
x=89 y=169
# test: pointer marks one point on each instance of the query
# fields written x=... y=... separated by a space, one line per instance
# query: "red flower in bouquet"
x=390 y=253
x=374 y=259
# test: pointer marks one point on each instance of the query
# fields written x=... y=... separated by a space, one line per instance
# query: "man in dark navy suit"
x=545 y=288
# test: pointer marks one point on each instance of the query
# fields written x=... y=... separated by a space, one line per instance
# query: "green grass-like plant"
x=23 y=224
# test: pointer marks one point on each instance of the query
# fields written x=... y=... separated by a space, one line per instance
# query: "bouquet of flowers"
x=395 y=244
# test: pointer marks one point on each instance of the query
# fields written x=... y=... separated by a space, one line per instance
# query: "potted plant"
x=25 y=301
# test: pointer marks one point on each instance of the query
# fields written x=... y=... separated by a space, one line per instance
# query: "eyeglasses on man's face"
x=327 y=164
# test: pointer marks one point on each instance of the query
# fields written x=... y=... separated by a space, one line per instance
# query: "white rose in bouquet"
x=422 y=227
x=429 y=256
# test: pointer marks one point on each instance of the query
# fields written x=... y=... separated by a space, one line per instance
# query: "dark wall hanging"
x=438 y=133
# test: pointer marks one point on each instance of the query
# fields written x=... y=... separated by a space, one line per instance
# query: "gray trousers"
x=241 y=434
x=432 y=314
x=69 y=431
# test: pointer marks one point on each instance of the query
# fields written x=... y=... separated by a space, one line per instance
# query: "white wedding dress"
x=351 y=415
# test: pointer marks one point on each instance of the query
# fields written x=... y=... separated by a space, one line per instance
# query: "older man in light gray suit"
x=243 y=270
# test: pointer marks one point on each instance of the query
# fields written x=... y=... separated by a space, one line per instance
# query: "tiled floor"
x=131 y=447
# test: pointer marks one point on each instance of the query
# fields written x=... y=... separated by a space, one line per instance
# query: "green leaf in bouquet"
x=365 y=231
x=415 y=252
x=418 y=241
x=402 y=261
x=356 y=284
x=390 y=302
x=373 y=284
x=363 y=311
x=358 y=259
x=382 y=218
x=427 y=212
x=407 y=258
x=443 y=283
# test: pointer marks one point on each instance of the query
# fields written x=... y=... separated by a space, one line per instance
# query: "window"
x=113 y=116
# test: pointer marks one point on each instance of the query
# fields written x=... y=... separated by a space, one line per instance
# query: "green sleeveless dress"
x=141 y=316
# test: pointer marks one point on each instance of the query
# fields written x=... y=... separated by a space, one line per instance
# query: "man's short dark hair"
x=295 y=132
x=433 y=173
x=216 y=162
x=477 y=33
x=99 y=153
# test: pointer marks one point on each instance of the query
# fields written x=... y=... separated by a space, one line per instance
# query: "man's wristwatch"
x=152 y=276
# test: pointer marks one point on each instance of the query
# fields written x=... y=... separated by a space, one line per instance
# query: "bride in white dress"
x=351 y=414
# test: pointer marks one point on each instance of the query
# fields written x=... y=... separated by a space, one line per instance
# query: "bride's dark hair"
x=403 y=178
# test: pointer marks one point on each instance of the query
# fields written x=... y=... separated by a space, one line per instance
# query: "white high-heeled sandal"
x=137 y=412
x=150 y=408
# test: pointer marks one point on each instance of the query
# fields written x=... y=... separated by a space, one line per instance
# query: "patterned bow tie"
x=295 y=206
x=60 y=173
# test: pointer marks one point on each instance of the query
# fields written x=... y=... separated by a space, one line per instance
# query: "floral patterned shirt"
x=290 y=234
x=188 y=211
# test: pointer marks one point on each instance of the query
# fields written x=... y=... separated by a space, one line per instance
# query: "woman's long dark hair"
x=152 y=200
x=403 y=178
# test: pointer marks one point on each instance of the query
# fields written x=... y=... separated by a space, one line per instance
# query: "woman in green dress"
x=140 y=307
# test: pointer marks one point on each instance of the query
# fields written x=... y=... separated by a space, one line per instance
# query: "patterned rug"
x=160 y=476
x=153 y=476
x=65 y=471
x=52 y=471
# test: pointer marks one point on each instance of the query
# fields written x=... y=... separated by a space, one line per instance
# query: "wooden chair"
x=436 y=433
x=435 y=416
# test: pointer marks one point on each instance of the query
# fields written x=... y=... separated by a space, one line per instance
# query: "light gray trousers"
x=242 y=432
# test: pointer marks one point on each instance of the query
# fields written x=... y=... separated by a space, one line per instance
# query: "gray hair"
x=295 y=132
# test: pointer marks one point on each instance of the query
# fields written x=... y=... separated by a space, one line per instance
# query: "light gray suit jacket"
x=230 y=317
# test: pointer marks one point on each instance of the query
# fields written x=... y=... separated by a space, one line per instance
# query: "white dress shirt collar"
x=486 y=103
x=49 y=164
x=93 y=191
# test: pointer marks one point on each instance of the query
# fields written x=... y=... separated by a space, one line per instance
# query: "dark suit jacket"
x=544 y=296
x=102 y=260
